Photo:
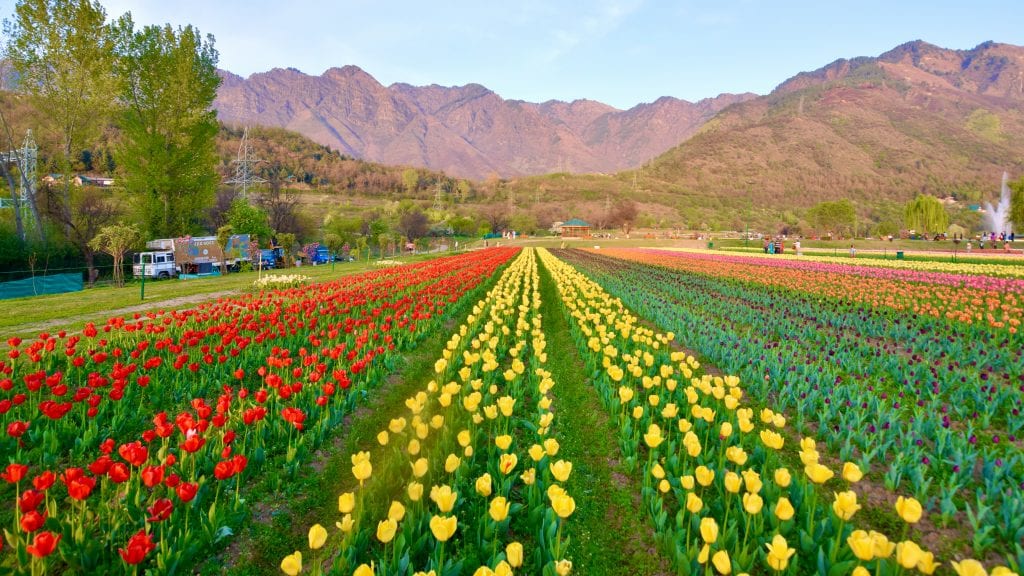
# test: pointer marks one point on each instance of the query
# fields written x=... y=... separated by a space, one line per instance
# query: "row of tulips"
x=936 y=405
x=942 y=267
x=970 y=299
x=129 y=445
x=729 y=489
x=468 y=480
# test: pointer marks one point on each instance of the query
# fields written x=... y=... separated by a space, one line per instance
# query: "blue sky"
x=621 y=52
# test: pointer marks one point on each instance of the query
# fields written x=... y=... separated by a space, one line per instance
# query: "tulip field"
x=768 y=416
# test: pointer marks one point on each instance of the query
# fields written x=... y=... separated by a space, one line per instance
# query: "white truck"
x=190 y=256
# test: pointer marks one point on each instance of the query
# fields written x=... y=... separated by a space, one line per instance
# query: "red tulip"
x=193 y=443
x=30 y=500
x=81 y=487
x=187 y=491
x=33 y=520
x=134 y=453
x=224 y=469
x=101 y=465
x=138 y=547
x=119 y=472
x=14 y=473
x=44 y=480
x=160 y=510
x=152 y=475
x=43 y=544
x=17 y=428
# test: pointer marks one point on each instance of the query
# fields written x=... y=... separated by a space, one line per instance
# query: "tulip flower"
x=693 y=503
x=563 y=505
x=507 y=463
x=563 y=567
x=818 y=473
x=845 y=504
x=969 y=567
x=732 y=482
x=908 y=554
x=909 y=509
x=443 y=527
x=721 y=562
x=752 y=503
x=346 y=502
x=317 y=536
x=419 y=467
x=346 y=523
x=561 y=470
x=499 y=509
x=784 y=509
x=653 y=437
x=705 y=476
x=862 y=545
x=503 y=441
x=551 y=447
x=779 y=553
x=386 y=530
x=452 y=463
x=782 y=477
x=396 y=511
x=444 y=497
x=514 y=554
x=362 y=570
x=139 y=545
x=709 y=530
x=852 y=473
x=415 y=491
x=928 y=565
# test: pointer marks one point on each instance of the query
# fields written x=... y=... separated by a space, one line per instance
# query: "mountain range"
x=467 y=131
x=916 y=118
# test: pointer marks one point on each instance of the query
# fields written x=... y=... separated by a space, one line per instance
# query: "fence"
x=37 y=285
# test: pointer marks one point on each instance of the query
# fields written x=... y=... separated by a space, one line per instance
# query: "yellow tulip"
x=419 y=467
x=362 y=470
x=536 y=452
x=563 y=568
x=752 y=481
x=563 y=505
x=506 y=404
x=397 y=425
x=514 y=554
x=860 y=571
x=561 y=470
x=415 y=491
x=907 y=554
x=503 y=441
x=709 y=530
x=444 y=497
x=883 y=548
x=736 y=455
x=687 y=481
x=431 y=573
x=499 y=508
x=928 y=565
x=464 y=438
x=483 y=485
x=346 y=523
x=551 y=447
x=1000 y=571
x=507 y=463
x=657 y=471
x=317 y=536
x=969 y=567
x=654 y=400
x=653 y=437
x=782 y=477
x=503 y=569
x=529 y=476
x=702 y=556
x=721 y=562
x=852 y=473
x=772 y=439
x=451 y=464
x=292 y=563
x=809 y=457
x=862 y=545
x=382 y=437
x=693 y=503
x=784 y=509
x=685 y=425
x=807 y=444
x=779 y=553
x=752 y=503
x=386 y=530
x=818 y=473
x=491 y=412
x=414 y=447
x=397 y=511
x=845 y=504
x=909 y=509
x=733 y=482
x=443 y=527
x=346 y=502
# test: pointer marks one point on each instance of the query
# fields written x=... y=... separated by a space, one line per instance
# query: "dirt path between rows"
x=171 y=303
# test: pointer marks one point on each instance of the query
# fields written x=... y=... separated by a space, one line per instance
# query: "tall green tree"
x=1017 y=205
x=63 y=51
x=926 y=213
x=167 y=82
x=838 y=217
x=244 y=218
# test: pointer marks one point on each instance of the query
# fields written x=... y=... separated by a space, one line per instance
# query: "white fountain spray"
x=997 y=217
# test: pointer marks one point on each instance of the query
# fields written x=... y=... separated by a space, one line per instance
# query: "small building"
x=575 y=228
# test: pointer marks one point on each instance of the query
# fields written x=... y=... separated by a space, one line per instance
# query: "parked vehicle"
x=158 y=264
x=321 y=256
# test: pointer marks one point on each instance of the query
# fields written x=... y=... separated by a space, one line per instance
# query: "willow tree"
x=167 y=156
x=926 y=213
x=1017 y=205
x=116 y=240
